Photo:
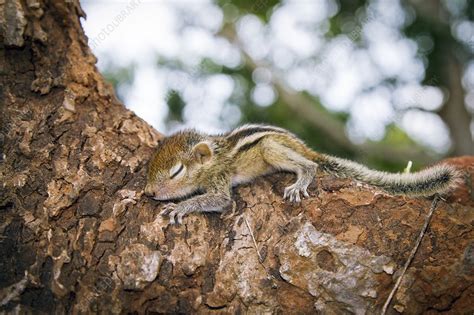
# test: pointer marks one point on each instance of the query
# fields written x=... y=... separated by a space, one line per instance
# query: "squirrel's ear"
x=202 y=152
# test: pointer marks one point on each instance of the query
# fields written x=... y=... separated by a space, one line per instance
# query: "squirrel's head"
x=174 y=169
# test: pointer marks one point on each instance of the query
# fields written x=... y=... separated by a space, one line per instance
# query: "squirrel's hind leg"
x=282 y=157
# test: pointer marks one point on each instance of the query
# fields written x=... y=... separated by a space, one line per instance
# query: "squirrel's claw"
x=292 y=193
x=168 y=208
x=175 y=212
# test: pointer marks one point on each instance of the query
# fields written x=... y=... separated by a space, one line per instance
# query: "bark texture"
x=77 y=236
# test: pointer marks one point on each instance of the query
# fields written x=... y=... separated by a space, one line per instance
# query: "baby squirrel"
x=190 y=162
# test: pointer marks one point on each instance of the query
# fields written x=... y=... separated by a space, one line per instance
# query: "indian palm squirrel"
x=189 y=163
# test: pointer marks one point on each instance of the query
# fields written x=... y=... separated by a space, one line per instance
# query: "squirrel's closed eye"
x=175 y=170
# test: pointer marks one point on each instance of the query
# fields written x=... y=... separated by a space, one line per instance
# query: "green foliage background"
x=435 y=24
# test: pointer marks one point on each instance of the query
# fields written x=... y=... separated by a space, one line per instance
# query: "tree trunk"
x=450 y=57
x=77 y=236
x=454 y=113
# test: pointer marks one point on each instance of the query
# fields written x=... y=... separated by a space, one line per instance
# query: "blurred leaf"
x=260 y=8
x=121 y=78
x=175 y=105
x=396 y=136
x=208 y=66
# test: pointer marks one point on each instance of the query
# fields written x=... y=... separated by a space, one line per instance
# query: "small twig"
x=260 y=259
x=412 y=254
x=408 y=168
x=253 y=239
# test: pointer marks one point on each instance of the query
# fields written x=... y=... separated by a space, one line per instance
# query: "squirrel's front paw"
x=175 y=211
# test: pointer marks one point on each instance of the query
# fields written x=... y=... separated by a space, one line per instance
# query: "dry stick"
x=412 y=254
x=260 y=259
x=253 y=239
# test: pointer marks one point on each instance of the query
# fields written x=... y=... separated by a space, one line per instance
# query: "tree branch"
x=77 y=236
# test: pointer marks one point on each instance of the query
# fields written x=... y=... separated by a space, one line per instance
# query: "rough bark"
x=77 y=235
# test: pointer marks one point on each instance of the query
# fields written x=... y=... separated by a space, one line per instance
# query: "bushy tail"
x=438 y=179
